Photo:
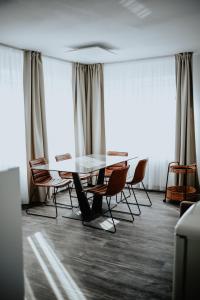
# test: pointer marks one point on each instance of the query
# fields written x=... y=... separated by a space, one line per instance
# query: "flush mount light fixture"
x=91 y=53
x=101 y=45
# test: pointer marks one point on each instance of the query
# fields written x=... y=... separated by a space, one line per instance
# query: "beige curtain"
x=89 y=120
x=196 y=86
x=34 y=103
x=185 y=133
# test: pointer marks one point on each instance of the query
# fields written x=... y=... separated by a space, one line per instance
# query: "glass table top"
x=84 y=164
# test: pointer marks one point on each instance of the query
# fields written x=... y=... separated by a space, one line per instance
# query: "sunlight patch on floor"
x=108 y=224
x=54 y=270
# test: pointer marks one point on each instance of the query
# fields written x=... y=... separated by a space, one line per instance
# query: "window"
x=59 y=106
x=12 y=120
x=140 y=112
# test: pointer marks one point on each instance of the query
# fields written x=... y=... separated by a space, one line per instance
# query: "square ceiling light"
x=90 y=55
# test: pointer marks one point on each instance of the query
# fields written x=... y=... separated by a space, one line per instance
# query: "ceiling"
x=129 y=29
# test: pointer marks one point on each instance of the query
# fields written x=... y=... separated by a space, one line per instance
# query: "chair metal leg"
x=131 y=203
x=122 y=212
x=120 y=200
x=128 y=206
x=129 y=191
x=44 y=204
x=108 y=203
x=68 y=206
x=55 y=192
x=138 y=203
x=127 y=196
x=33 y=192
x=148 y=205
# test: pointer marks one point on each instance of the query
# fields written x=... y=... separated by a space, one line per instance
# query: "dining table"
x=87 y=164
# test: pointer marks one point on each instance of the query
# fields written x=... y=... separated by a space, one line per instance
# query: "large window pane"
x=12 y=121
x=140 y=113
x=59 y=106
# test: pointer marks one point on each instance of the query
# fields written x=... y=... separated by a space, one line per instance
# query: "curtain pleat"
x=196 y=85
x=185 y=132
x=89 y=121
x=34 y=103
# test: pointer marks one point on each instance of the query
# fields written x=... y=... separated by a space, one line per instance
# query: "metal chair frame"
x=122 y=200
x=138 y=178
x=55 y=191
x=111 y=209
x=130 y=187
x=56 y=205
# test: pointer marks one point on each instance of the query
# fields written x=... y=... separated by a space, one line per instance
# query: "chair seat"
x=65 y=175
x=99 y=189
x=108 y=173
x=68 y=175
x=116 y=166
x=53 y=182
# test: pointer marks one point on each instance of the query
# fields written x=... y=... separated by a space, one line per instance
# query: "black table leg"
x=97 y=202
x=82 y=199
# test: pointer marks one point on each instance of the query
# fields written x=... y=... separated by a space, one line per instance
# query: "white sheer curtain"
x=59 y=106
x=12 y=120
x=140 y=113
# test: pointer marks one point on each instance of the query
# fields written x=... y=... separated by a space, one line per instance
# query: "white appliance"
x=11 y=263
x=186 y=276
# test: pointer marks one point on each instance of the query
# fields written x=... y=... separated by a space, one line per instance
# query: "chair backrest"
x=140 y=171
x=63 y=157
x=117 y=153
x=117 y=181
x=39 y=175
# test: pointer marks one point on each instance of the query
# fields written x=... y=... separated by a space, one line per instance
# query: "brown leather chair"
x=115 y=186
x=43 y=178
x=138 y=177
x=108 y=170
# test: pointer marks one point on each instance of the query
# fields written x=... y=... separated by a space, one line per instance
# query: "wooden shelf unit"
x=184 y=191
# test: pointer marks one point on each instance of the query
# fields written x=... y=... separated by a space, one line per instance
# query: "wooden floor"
x=65 y=260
